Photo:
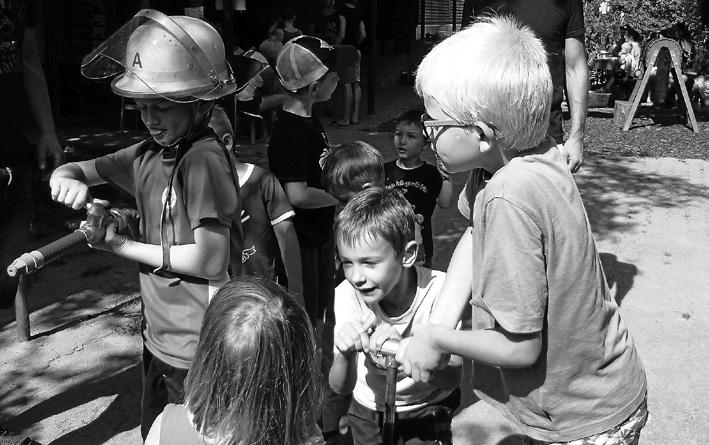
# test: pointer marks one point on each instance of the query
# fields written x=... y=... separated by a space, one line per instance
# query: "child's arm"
x=362 y=33
x=350 y=338
x=447 y=311
x=302 y=196
x=207 y=257
x=457 y=286
x=290 y=253
x=494 y=347
x=445 y=195
x=341 y=33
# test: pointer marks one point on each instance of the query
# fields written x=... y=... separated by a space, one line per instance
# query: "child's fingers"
x=382 y=334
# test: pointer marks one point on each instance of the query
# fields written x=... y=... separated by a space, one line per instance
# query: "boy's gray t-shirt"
x=536 y=268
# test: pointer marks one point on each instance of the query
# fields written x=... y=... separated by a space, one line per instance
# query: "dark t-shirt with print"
x=263 y=205
x=421 y=186
x=293 y=156
x=15 y=17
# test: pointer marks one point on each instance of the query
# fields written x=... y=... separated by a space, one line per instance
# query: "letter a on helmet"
x=153 y=55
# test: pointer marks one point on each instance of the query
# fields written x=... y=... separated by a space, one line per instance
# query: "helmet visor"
x=177 y=58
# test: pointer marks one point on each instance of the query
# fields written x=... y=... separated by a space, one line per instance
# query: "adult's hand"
x=573 y=150
x=48 y=145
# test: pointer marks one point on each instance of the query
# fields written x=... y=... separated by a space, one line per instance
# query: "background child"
x=386 y=292
x=347 y=169
x=350 y=168
x=183 y=182
x=549 y=346
x=286 y=23
x=306 y=67
x=270 y=243
x=254 y=379
x=422 y=184
x=353 y=34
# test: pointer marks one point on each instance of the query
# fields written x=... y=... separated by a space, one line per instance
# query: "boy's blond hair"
x=494 y=71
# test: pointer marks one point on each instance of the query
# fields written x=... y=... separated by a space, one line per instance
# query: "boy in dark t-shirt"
x=422 y=184
x=306 y=69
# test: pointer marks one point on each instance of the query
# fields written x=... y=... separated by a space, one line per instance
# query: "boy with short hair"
x=306 y=67
x=549 y=346
x=270 y=243
x=183 y=181
x=386 y=294
x=423 y=185
x=350 y=168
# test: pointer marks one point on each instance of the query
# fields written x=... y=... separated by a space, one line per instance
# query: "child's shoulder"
x=430 y=279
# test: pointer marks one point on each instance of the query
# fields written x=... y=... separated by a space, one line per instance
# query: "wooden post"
x=454 y=9
x=422 y=21
x=372 y=71
x=676 y=56
x=22 y=315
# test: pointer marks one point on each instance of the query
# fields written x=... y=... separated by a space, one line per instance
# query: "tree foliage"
x=605 y=18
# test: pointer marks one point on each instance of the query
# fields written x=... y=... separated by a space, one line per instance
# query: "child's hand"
x=384 y=332
x=419 y=355
x=112 y=241
x=70 y=192
x=353 y=337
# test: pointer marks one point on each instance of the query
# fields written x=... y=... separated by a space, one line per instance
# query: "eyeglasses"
x=433 y=127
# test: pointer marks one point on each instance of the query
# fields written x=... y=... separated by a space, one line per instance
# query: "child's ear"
x=411 y=251
x=488 y=139
x=228 y=141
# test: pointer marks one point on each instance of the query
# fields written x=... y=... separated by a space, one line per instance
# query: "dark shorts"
x=428 y=425
x=351 y=73
x=162 y=384
x=318 y=264
x=15 y=219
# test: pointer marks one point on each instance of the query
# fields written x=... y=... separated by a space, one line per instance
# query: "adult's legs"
x=15 y=219
x=356 y=99
x=347 y=107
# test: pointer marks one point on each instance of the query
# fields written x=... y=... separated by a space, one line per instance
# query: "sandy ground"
x=77 y=381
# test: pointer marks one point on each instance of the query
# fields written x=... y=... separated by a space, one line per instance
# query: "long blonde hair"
x=253 y=379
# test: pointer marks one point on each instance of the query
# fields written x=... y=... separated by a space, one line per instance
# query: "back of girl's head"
x=410 y=117
x=253 y=378
x=376 y=214
x=352 y=167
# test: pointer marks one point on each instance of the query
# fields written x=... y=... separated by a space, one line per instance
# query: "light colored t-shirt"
x=370 y=388
x=536 y=268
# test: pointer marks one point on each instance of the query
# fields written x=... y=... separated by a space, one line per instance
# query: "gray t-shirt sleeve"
x=514 y=283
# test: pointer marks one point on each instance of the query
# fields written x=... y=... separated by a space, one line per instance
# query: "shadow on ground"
x=615 y=194
x=120 y=415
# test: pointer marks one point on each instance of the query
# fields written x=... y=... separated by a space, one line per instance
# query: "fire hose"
x=98 y=217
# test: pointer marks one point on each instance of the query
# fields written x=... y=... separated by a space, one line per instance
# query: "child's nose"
x=358 y=276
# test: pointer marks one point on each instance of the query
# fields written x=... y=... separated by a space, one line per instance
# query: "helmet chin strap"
x=166 y=213
x=194 y=111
